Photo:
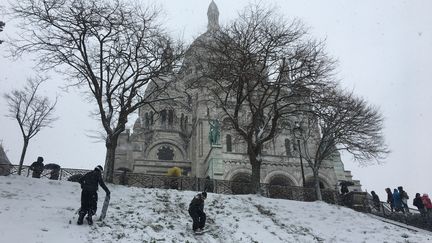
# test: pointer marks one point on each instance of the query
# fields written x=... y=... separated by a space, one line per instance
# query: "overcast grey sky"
x=384 y=50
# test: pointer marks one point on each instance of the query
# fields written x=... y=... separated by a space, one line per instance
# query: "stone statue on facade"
x=214 y=133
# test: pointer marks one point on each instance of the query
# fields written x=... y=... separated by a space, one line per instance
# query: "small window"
x=146 y=119
x=170 y=117
x=228 y=143
x=288 y=147
x=163 y=117
x=151 y=117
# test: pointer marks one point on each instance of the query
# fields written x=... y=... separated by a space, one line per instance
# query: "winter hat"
x=40 y=159
x=204 y=194
x=99 y=168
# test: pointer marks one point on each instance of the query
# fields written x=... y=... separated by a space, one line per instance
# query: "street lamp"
x=300 y=131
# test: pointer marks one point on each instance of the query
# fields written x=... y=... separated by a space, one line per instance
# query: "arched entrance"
x=280 y=186
x=241 y=184
x=309 y=188
x=310 y=183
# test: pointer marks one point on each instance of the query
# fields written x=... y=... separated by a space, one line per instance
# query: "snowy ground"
x=40 y=210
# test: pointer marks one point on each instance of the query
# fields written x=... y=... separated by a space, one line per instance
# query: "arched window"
x=165 y=153
x=181 y=121
x=186 y=122
x=228 y=143
x=288 y=147
x=170 y=117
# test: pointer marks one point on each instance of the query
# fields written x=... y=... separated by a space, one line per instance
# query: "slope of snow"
x=40 y=210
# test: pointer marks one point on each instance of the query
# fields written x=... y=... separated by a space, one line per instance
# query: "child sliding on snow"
x=196 y=211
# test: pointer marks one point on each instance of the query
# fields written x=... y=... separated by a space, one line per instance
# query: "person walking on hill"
x=427 y=203
x=196 y=211
x=419 y=204
x=390 y=198
x=375 y=200
x=397 y=201
x=90 y=183
x=404 y=197
x=37 y=167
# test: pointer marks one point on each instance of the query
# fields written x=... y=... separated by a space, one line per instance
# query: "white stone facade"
x=177 y=134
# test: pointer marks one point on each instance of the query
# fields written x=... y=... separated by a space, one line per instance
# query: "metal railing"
x=62 y=174
x=221 y=186
x=411 y=216
x=188 y=183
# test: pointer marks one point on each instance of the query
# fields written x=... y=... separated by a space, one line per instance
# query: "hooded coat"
x=397 y=199
x=426 y=201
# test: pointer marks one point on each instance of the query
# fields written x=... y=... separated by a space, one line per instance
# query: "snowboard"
x=104 y=207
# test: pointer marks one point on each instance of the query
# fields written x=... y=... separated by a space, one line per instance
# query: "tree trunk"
x=111 y=145
x=23 y=153
x=256 y=170
x=317 y=185
x=256 y=175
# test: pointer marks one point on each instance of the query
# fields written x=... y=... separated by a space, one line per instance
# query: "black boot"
x=89 y=219
x=80 y=218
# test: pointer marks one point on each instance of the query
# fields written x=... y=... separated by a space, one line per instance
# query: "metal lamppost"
x=300 y=130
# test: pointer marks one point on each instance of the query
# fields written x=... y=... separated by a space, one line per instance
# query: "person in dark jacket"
x=390 y=198
x=196 y=211
x=419 y=204
x=404 y=198
x=37 y=167
x=344 y=189
x=89 y=184
x=375 y=200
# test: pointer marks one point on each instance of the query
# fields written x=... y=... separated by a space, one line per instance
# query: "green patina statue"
x=214 y=133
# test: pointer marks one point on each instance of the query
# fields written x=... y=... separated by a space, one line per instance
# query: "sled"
x=104 y=207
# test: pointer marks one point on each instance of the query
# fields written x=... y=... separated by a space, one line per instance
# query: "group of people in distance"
x=398 y=201
x=38 y=167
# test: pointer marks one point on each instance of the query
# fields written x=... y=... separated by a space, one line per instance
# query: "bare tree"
x=32 y=112
x=340 y=121
x=256 y=69
x=2 y=25
x=113 y=49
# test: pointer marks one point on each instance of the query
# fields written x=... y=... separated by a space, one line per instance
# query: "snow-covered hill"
x=40 y=210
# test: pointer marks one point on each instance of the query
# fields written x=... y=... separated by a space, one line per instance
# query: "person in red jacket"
x=427 y=202
x=418 y=202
